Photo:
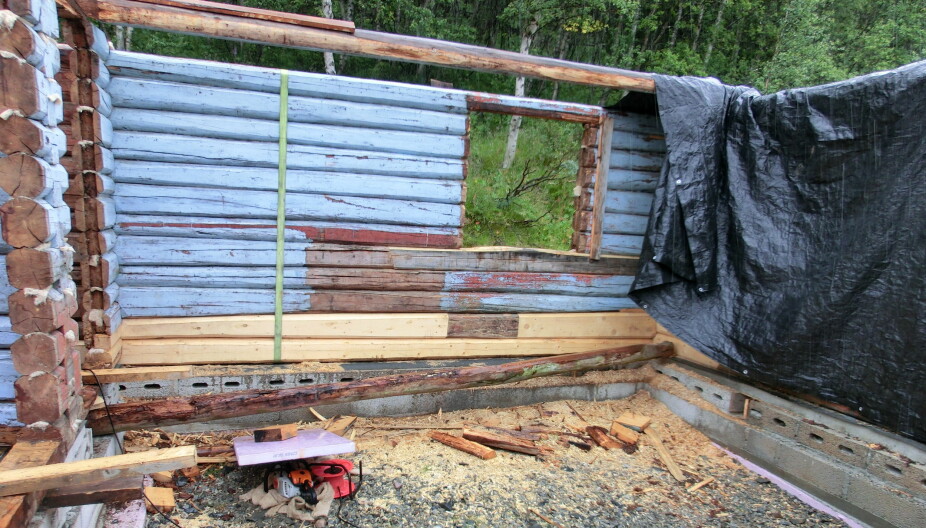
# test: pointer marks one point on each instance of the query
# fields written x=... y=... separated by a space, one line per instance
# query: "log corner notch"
x=178 y=16
x=209 y=407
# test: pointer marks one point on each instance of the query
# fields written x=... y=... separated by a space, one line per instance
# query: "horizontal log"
x=117 y=490
x=93 y=126
x=46 y=396
x=626 y=245
x=210 y=407
x=625 y=202
x=96 y=470
x=93 y=157
x=297 y=181
x=540 y=108
x=168 y=251
x=224 y=203
x=624 y=140
x=138 y=301
x=367 y=43
x=146 y=146
x=506 y=442
x=86 y=64
x=636 y=160
x=259 y=14
x=628 y=324
x=83 y=34
x=122 y=375
x=38 y=268
x=629 y=180
x=470 y=259
x=154 y=227
x=248 y=129
x=98 y=297
x=316 y=278
x=624 y=224
x=7 y=335
x=30 y=177
x=313 y=106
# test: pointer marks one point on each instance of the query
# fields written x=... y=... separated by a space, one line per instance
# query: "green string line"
x=281 y=220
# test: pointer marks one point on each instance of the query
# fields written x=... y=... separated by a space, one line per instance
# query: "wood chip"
x=700 y=485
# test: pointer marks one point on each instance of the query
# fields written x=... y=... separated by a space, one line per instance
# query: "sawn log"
x=207 y=407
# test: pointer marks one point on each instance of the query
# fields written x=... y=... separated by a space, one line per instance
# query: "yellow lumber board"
x=587 y=325
x=294 y=326
x=161 y=499
x=685 y=351
x=25 y=480
x=119 y=375
x=216 y=350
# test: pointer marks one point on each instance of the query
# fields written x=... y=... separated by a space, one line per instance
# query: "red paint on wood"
x=331 y=234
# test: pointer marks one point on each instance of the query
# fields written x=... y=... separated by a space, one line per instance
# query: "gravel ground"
x=411 y=481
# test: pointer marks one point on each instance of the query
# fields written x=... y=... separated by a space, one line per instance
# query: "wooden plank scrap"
x=653 y=436
x=700 y=485
x=463 y=444
x=117 y=490
x=341 y=424
x=637 y=422
x=275 y=433
x=601 y=437
x=506 y=442
x=160 y=499
x=25 y=480
x=624 y=434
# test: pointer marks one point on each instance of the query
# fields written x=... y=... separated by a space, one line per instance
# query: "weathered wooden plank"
x=173 y=302
x=635 y=203
x=17 y=510
x=296 y=231
x=247 y=129
x=259 y=14
x=303 y=84
x=636 y=160
x=94 y=470
x=629 y=245
x=468 y=259
x=139 y=301
x=146 y=146
x=628 y=324
x=319 y=107
x=155 y=251
x=493 y=326
x=623 y=140
x=353 y=325
x=297 y=181
x=224 y=203
x=7 y=335
x=600 y=190
x=110 y=491
x=630 y=180
x=376 y=279
x=210 y=350
x=637 y=123
x=368 y=43
x=541 y=108
x=625 y=224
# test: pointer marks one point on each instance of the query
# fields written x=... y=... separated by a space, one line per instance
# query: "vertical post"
x=281 y=220
x=601 y=185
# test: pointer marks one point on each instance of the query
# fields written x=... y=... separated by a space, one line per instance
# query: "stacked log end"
x=84 y=77
x=39 y=297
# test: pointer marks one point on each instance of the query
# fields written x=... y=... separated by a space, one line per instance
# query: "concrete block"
x=835 y=445
x=813 y=467
x=723 y=397
x=891 y=468
x=773 y=419
x=762 y=446
x=894 y=505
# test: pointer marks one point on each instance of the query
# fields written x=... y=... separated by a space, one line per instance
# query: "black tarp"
x=787 y=239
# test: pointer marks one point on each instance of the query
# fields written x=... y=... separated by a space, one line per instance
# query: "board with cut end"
x=462 y=444
x=95 y=470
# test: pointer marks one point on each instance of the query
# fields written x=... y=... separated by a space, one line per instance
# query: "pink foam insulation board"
x=307 y=443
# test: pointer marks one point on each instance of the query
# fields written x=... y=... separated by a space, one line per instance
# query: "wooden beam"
x=121 y=375
x=555 y=110
x=462 y=444
x=258 y=14
x=94 y=470
x=363 y=43
x=116 y=490
x=17 y=510
x=190 y=351
x=601 y=186
x=209 y=407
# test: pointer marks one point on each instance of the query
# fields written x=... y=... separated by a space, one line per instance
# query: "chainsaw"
x=299 y=478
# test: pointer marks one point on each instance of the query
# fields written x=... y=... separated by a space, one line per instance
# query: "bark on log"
x=462 y=444
x=204 y=408
x=506 y=442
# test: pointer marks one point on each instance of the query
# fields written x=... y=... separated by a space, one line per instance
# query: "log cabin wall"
x=375 y=191
x=39 y=364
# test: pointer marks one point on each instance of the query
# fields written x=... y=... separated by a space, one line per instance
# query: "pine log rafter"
x=360 y=42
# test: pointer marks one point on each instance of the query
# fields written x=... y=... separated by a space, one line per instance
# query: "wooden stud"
x=656 y=439
x=601 y=186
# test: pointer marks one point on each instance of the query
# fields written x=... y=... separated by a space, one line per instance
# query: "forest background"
x=526 y=199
